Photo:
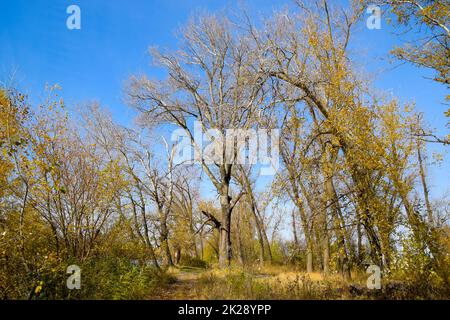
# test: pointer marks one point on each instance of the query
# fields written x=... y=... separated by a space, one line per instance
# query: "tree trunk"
x=325 y=251
x=257 y=224
x=260 y=239
x=339 y=224
x=146 y=236
x=294 y=230
x=165 y=240
x=309 y=256
x=177 y=255
x=424 y=184
x=239 y=239
x=266 y=241
x=225 y=249
x=360 y=252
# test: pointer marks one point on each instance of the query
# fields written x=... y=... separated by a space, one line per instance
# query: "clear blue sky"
x=93 y=63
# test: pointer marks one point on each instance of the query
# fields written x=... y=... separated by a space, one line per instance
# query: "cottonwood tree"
x=428 y=24
x=293 y=180
x=309 y=52
x=209 y=80
x=247 y=183
x=431 y=19
x=187 y=238
x=143 y=196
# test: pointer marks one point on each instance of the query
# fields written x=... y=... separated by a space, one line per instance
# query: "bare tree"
x=211 y=81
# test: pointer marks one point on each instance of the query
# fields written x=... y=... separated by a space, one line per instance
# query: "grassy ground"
x=276 y=282
x=237 y=283
x=184 y=286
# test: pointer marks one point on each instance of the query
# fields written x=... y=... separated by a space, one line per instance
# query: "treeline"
x=352 y=186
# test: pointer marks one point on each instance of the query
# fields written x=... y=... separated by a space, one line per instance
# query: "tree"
x=429 y=20
x=72 y=187
x=243 y=178
x=306 y=57
x=126 y=148
x=432 y=19
x=209 y=81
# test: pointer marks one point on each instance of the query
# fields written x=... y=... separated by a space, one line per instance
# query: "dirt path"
x=183 y=287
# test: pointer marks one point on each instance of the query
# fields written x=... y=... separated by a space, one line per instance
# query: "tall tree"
x=210 y=81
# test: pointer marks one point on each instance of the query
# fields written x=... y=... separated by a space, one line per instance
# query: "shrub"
x=193 y=262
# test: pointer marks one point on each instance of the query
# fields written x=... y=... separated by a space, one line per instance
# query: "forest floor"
x=184 y=285
x=282 y=282
x=189 y=282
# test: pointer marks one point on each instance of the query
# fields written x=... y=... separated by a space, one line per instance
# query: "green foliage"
x=117 y=278
x=193 y=262
x=416 y=268
x=106 y=278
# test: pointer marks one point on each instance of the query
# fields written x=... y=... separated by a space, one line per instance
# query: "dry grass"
x=281 y=282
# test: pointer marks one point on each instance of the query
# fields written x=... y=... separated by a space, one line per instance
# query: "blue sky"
x=93 y=63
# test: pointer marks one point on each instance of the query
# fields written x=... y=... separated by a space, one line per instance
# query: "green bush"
x=109 y=278
x=193 y=262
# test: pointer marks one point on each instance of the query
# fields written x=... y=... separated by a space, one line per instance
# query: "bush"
x=193 y=262
x=109 y=278
x=119 y=278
